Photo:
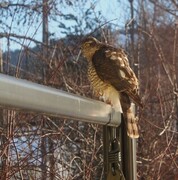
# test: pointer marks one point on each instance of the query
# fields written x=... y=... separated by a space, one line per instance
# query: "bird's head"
x=89 y=46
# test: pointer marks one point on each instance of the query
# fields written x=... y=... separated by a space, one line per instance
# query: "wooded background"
x=47 y=35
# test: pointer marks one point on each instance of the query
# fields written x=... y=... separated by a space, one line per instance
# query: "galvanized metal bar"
x=25 y=95
x=128 y=153
x=111 y=148
x=127 y=166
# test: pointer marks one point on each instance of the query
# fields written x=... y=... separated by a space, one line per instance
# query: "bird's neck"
x=88 y=53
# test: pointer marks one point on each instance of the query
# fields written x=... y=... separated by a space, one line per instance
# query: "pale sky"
x=111 y=9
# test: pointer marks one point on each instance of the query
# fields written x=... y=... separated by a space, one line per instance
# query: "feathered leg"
x=129 y=117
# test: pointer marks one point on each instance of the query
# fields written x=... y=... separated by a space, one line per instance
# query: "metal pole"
x=119 y=153
x=25 y=95
x=112 y=153
x=128 y=152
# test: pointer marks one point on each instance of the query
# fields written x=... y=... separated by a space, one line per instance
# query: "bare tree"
x=157 y=154
x=35 y=146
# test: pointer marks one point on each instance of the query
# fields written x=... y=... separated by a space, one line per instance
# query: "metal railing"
x=119 y=150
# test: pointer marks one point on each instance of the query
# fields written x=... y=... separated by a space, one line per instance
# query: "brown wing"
x=112 y=66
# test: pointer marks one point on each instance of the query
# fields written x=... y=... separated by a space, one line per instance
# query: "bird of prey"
x=112 y=79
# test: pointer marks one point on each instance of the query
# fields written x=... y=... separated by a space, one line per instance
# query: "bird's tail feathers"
x=131 y=125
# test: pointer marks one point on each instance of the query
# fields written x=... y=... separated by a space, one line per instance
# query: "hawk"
x=112 y=79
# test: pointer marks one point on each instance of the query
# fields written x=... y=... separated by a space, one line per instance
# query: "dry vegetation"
x=35 y=146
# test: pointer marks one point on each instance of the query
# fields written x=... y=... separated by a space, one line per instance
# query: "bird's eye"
x=87 y=45
x=90 y=43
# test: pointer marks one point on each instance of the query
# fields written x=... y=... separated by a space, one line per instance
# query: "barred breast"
x=104 y=90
